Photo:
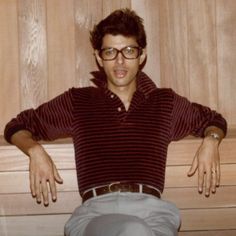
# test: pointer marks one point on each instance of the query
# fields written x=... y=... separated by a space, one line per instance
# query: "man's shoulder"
x=84 y=90
x=85 y=93
x=163 y=92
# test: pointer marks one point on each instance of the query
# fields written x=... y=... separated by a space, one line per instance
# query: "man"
x=121 y=130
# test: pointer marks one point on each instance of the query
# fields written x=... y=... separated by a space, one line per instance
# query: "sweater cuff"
x=12 y=130
x=220 y=125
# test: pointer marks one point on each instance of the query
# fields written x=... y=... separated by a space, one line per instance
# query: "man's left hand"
x=207 y=162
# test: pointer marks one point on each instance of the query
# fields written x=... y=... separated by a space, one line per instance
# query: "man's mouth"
x=120 y=73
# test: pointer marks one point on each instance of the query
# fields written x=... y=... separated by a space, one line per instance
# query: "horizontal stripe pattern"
x=112 y=144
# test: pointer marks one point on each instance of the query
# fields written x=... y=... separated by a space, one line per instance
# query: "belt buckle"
x=117 y=187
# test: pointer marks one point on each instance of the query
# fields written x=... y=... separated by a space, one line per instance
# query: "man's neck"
x=125 y=94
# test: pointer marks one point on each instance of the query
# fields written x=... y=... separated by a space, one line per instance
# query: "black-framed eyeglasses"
x=129 y=52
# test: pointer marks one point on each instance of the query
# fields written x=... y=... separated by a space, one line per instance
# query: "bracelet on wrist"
x=214 y=135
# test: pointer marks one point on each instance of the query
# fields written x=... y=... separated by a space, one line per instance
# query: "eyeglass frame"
x=140 y=52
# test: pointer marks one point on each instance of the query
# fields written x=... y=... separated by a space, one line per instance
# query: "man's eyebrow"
x=130 y=45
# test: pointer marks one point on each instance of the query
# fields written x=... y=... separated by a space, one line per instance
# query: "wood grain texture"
x=87 y=13
x=174 y=46
x=148 y=10
x=182 y=152
x=226 y=38
x=61 y=46
x=179 y=153
x=9 y=57
x=33 y=52
x=202 y=49
x=54 y=224
x=189 y=198
x=191 y=48
x=199 y=214
x=23 y=203
x=18 y=182
x=112 y=5
x=42 y=225
x=62 y=154
x=208 y=233
x=176 y=176
x=209 y=219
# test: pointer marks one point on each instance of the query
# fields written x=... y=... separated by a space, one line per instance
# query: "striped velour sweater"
x=112 y=144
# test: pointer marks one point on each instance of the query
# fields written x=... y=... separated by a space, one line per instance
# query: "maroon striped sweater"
x=112 y=144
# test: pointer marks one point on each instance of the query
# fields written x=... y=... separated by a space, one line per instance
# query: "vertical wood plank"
x=33 y=52
x=61 y=46
x=210 y=35
x=112 y=5
x=9 y=92
x=226 y=41
x=202 y=52
x=174 y=46
x=148 y=10
x=87 y=13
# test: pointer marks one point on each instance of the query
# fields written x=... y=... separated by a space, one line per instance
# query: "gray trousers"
x=124 y=214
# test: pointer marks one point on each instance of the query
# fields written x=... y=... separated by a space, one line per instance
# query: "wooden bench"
x=21 y=216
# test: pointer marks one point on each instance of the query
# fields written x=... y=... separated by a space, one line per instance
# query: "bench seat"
x=201 y=216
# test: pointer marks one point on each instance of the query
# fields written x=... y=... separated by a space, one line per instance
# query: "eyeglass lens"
x=127 y=52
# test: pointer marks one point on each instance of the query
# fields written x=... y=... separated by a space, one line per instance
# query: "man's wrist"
x=211 y=140
x=214 y=133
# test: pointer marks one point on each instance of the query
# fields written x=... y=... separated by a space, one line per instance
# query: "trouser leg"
x=94 y=218
x=117 y=225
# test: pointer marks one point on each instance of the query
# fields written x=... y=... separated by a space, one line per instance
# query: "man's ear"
x=143 y=56
x=98 y=58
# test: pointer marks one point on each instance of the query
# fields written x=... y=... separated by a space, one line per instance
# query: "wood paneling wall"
x=45 y=49
x=201 y=216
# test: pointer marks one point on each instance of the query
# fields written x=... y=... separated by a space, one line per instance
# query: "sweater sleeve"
x=49 y=121
x=192 y=119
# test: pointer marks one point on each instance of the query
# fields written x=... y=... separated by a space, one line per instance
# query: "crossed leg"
x=117 y=225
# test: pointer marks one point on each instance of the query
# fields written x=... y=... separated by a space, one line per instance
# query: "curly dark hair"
x=124 y=22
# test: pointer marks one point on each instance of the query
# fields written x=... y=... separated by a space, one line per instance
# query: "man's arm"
x=207 y=161
x=43 y=172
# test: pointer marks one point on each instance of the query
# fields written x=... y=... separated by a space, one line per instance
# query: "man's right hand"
x=43 y=175
x=43 y=172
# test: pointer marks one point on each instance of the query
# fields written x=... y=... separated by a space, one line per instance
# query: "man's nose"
x=120 y=58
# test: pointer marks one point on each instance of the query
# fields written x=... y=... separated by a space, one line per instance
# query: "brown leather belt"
x=120 y=187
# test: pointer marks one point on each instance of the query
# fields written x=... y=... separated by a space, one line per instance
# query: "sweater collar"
x=144 y=84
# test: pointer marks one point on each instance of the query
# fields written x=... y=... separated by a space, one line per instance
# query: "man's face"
x=121 y=72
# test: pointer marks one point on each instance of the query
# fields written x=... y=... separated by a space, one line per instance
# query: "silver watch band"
x=214 y=135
